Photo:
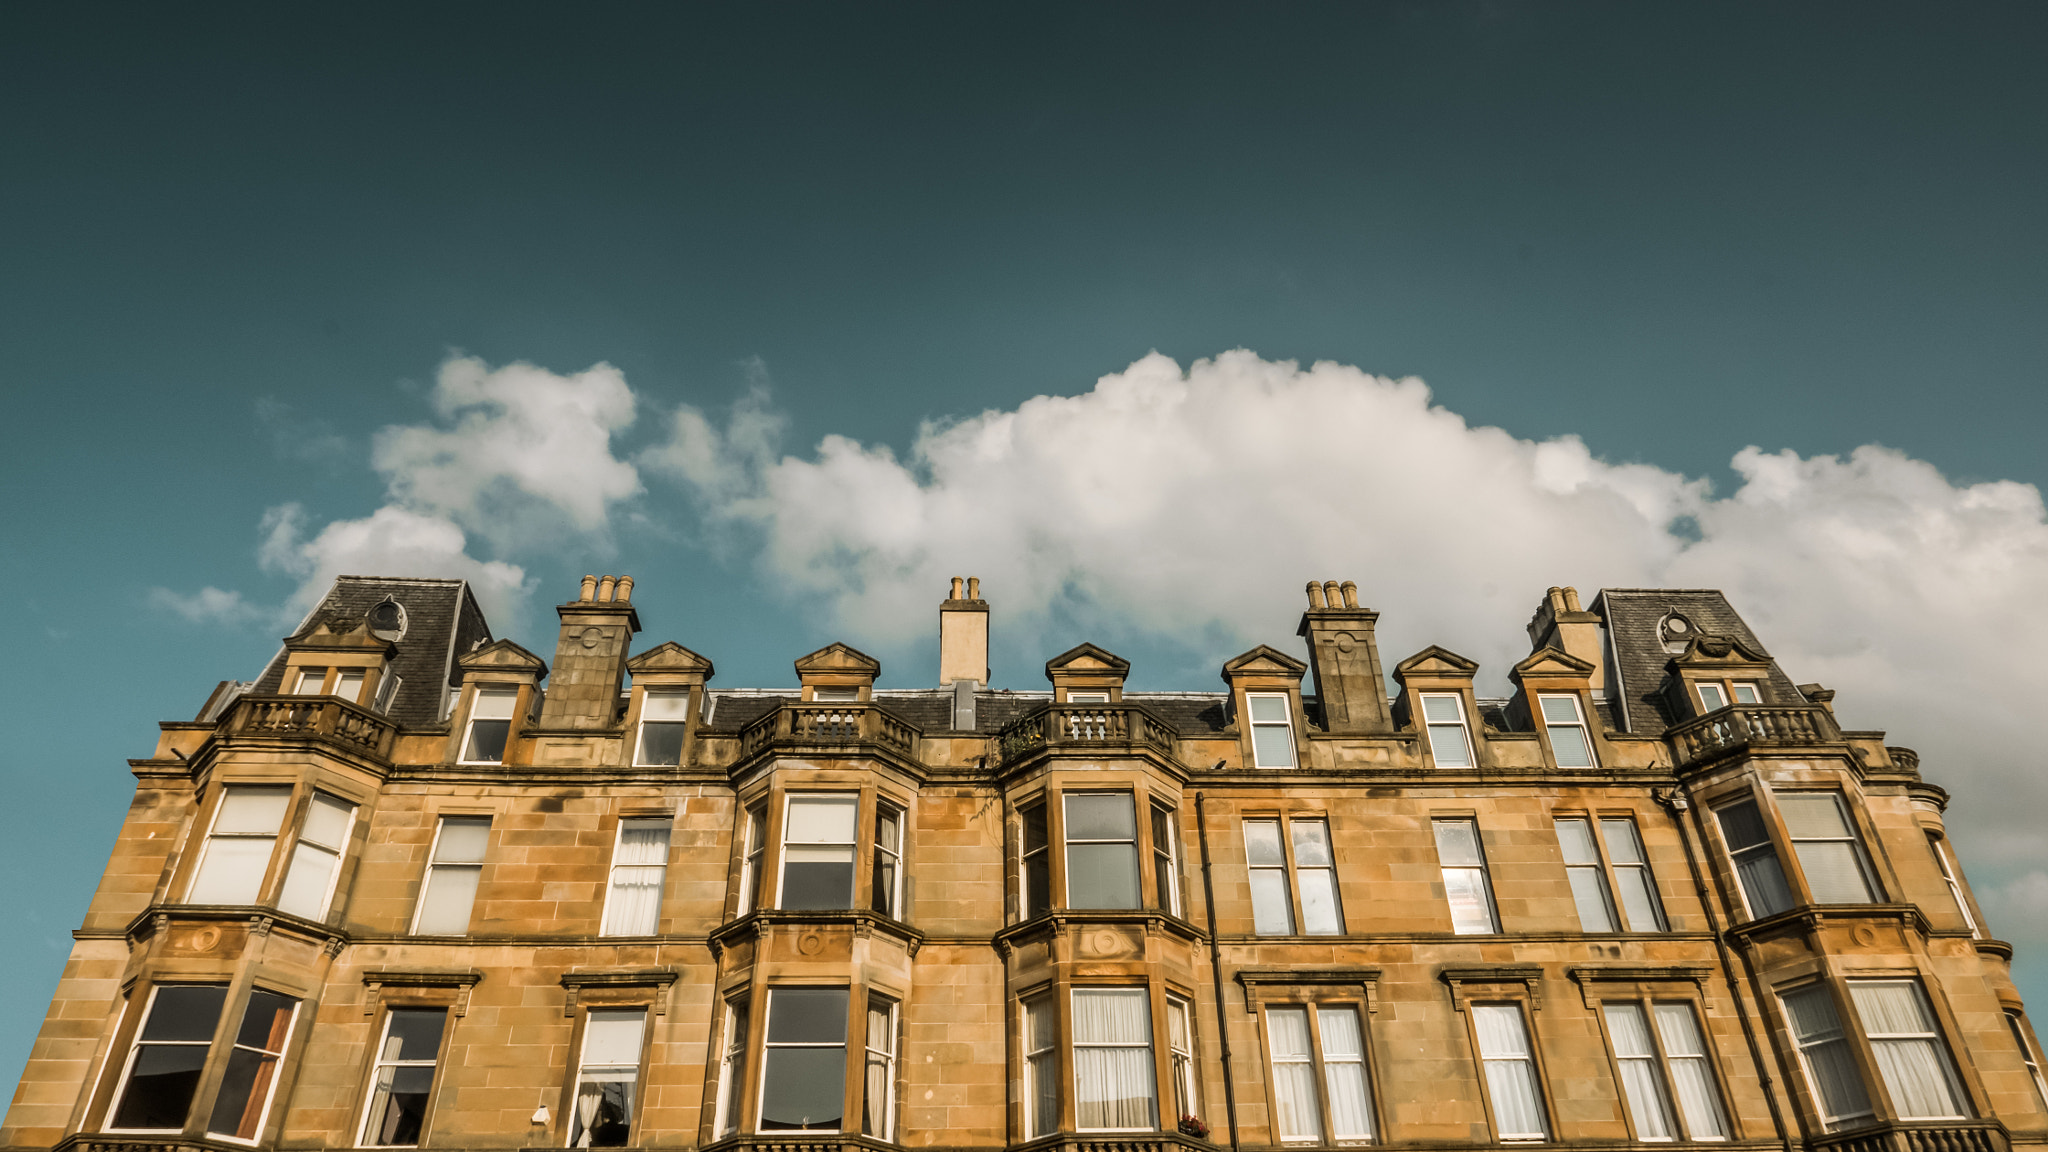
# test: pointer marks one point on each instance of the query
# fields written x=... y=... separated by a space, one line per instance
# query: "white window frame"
x=387 y=691
x=1180 y=1057
x=732 y=1066
x=1576 y=723
x=1275 y=1060
x=1462 y=723
x=844 y=1045
x=2027 y=1054
x=850 y=800
x=213 y=833
x=434 y=864
x=1151 y=1057
x=885 y=1058
x=835 y=694
x=1165 y=856
x=754 y=853
x=342 y=683
x=1526 y=1057
x=1478 y=868
x=377 y=1062
x=494 y=692
x=302 y=842
x=1639 y=867
x=1708 y=704
x=1737 y=857
x=136 y=1044
x=579 y=1136
x=309 y=682
x=1661 y=1059
x=1853 y=838
x=1068 y=840
x=1578 y=871
x=1286 y=725
x=1286 y=881
x=234 y=1041
x=1737 y=688
x=648 y=721
x=1939 y=844
x=1041 y=1064
x=1029 y=858
x=894 y=857
x=612 y=876
x=1087 y=696
x=1933 y=1037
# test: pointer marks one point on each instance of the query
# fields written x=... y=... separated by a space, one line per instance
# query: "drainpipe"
x=1216 y=968
x=1676 y=802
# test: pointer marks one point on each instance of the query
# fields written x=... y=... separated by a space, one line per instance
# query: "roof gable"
x=669 y=656
x=1264 y=661
x=1550 y=662
x=1436 y=661
x=1087 y=658
x=838 y=657
x=503 y=656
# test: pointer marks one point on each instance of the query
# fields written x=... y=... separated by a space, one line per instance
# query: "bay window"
x=602 y=1116
x=1037 y=862
x=169 y=1055
x=238 y=848
x=1165 y=859
x=803 y=1060
x=754 y=847
x=1906 y=1044
x=818 y=834
x=1829 y=851
x=886 y=884
x=2028 y=1056
x=639 y=863
x=878 y=1079
x=316 y=860
x=248 y=1081
x=1041 y=1066
x=1824 y=1053
x=732 y=1065
x=1114 y=1079
x=1102 y=850
x=1949 y=877
x=1180 y=1042
x=1755 y=857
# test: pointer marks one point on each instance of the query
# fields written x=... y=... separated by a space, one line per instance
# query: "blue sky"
x=878 y=290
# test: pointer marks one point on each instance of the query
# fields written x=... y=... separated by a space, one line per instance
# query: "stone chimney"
x=1561 y=624
x=590 y=656
x=963 y=636
x=1345 y=659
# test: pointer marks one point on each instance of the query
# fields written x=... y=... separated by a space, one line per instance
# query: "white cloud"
x=209 y=605
x=389 y=542
x=1196 y=503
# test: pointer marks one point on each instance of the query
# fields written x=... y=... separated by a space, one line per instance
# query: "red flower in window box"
x=1193 y=1126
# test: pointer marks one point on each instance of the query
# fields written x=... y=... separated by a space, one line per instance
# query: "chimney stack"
x=1561 y=624
x=1345 y=658
x=963 y=636
x=590 y=654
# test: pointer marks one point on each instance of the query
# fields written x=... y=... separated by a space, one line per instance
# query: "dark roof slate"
x=442 y=621
x=1642 y=664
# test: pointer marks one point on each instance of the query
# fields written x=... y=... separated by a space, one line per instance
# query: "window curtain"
x=1915 y=1067
x=1826 y=1052
x=1510 y=1071
x=1636 y=1055
x=1294 y=1082
x=1113 y=1073
x=1344 y=1074
x=635 y=908
x=1692 y=1075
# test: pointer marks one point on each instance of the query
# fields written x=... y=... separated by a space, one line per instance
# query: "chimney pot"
x=625 y=589
x=1571 y=600
x=605 y=584
x=974 y=587
x=589 y=591
x=956 y=589
x=1331 y=594
x=1315 y=595
x=1350 y=591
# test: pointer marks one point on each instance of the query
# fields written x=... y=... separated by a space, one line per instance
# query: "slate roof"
x=442 y=621
x=931 y=709
x=1640 y=661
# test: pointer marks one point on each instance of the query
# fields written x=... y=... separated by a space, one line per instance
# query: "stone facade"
x=407 y=888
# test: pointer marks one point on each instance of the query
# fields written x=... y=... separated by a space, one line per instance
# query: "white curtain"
x=1113 y=1074
x=1636 y=1055
x=1294 y=1080
x=1691 y=1073
x=1909 y=1051
x=1344 y=1074
x=1510 y=1071
x=637 y=868
x=1821 y=1043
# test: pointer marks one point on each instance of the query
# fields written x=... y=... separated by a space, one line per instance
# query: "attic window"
x=387 y=620
x=1675 y=632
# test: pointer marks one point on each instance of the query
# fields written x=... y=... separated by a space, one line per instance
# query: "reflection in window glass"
x=1826 y=847
x=1450 y=745
x=817 y=852
x=803 y=1062
x=1315 y=872
x=169 y=1054
x=245 y=1085
x=1102 y=850
x=1465 y=884
x=238 y=849
x=1272 y=730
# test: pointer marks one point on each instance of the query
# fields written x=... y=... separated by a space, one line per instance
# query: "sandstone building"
x=418 y=887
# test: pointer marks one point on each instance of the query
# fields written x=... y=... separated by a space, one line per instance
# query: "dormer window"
x=1566 y=727
x=490 y=723
x=1087 y=697
x=664 y=716
x=387 y=621
x=1675 y=632
x=348 y=684
x=1712 y=697
x=1449 y=741
x=1746 y=693
x=311 y=682
x=1272 y=729
x=838 y=695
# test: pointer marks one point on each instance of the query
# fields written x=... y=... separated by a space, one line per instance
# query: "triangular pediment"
x=1264 y=661
x=837 y=657
x=1087 y=658
x=1550 y=662
x=669 y=656
x=503 y=655
x=1436 y=661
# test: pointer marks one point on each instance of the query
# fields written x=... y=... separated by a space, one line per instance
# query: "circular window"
x=387 y=620
x=1674 y=631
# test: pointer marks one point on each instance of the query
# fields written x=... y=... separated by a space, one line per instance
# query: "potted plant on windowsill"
x=1193 y=1126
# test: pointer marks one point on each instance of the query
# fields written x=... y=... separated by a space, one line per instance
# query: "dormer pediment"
x=334 y=631
x=669 y=656
x=1087 y=658
x=840 y=659
x=1264 y=661
x=1551 y=663
x=1709 y=651
x=1436 y=662
x=503 y=656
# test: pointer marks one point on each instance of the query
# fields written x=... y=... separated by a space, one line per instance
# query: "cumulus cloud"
x=520 y=458
x=1170 y=502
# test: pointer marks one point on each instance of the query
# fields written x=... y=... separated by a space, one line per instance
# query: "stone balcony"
x=1918 y=1136
x=1091 y=729
x=810 y=725
x=328 y=718
x=1746 y=727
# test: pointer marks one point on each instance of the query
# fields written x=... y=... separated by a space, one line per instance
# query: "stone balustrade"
x=829 y=724
x=1105 y=726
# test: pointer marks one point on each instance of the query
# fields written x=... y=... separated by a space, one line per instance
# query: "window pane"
x=1575 y=839
x=804 y=1062
x=1442 y=710
x=328 y=820
x=413 y=1034
x=1344 y=1073
x=612 y=1036
x=1510 y=1071
x=1272 y=746
x=252 y=811
x=1113 y=1073
x=310 y=681
x=1691 y=1073
x=1560 y=710
x=398 y=1104
x=1294 y=1085
x=1268 y=709
x=1311 y=843
x=1447 y=746
x=1319 y=903
x=1622 y=845
x=349 y=686
x=662 y=705
x=1828 y=1061
x=661 y=743
x=1570 y=747
x=305 y=885
x=1102 y=876
x=1101 y=816
x=1747 y=694
x=463 y=840
x=487 y=741
x=1712 y=698
x=494 y=703
x=1908 y=1048
x=232 y=872
x=1833 y=873
x=1743 y=826
x=185 y=1012
x=807 y=1016
x=1457 y=841
x=446 y=904
x=252 y=1066
x=1813 y=815
x=1262 y=844
x=1471 y=905
x=1637 y=901
x=1636 y=1056
x=160 y=1086
x=1590 y=894
x=1270 y=907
